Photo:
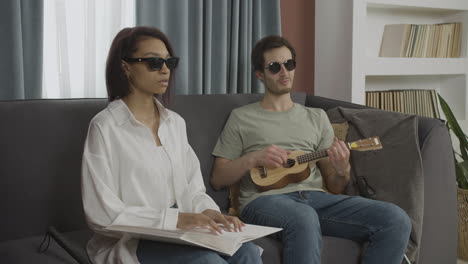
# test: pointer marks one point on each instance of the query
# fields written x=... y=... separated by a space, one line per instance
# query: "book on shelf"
x=395 y=40
x=416 y=102
x=435 y=104
x=226 y=243
x=411 y=42
x=457 y=41
x=422 y=41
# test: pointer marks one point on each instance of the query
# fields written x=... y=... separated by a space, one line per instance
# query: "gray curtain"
x=21 y=24
x=214 y=39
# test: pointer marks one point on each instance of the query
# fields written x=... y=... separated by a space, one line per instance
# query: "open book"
x=227 y=243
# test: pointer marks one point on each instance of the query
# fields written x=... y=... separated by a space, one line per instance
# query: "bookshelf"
x=348 y=36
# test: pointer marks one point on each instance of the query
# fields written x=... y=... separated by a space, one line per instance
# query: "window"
x=77 y=38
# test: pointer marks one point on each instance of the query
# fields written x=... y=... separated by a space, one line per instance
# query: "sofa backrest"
x=41 y=145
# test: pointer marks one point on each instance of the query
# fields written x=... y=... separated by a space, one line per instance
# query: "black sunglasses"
x=275 y=67
x=156 y=63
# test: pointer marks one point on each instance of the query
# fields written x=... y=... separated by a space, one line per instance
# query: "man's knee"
x=303 y=220
x=397 y=219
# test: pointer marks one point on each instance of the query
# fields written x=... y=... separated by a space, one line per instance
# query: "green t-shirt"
x=250 y=128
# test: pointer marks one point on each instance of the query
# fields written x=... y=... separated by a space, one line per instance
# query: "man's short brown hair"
x=265 y=44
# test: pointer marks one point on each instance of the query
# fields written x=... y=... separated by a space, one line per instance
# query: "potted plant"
x=461 y=167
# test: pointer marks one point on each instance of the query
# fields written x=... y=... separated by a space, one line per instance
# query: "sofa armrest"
x=439 y=236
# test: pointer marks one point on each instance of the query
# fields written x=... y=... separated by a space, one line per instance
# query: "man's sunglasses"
x=156 y=63
x=275 y=67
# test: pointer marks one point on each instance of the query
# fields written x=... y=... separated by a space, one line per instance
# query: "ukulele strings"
x=311 y=156
x=316 y=155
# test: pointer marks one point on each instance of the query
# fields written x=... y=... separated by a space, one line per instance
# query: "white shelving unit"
x=348 y=35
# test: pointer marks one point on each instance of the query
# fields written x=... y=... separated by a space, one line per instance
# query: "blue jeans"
x=150 y=252
x=307 y=215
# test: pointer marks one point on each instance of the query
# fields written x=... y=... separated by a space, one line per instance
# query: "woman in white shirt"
x=138 y=167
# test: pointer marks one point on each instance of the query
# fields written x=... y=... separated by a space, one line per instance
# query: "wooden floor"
x=462 y=261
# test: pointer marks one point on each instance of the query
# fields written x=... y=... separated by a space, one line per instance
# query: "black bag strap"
x=364 y=189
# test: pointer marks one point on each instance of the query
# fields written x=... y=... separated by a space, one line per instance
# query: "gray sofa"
x=41 y=143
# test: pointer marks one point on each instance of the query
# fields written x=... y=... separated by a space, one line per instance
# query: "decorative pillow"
x=374 y=174
x=234 y=191
x=340 y=129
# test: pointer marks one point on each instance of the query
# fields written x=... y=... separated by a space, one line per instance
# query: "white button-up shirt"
x=128 y=180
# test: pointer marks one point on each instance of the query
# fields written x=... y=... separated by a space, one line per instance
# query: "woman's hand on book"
x=191 y=220
x=226 y=220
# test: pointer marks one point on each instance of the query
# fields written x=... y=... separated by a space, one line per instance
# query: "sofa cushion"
x=25 y=250
x=340 y=250
x=401 y=184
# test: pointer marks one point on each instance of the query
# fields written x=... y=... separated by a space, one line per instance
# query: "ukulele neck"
x=312 y=156
x=315 y=155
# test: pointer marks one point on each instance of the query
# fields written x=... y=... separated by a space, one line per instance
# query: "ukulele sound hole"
x=289 y=163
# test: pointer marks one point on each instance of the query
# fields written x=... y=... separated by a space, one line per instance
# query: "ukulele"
x=297 y=166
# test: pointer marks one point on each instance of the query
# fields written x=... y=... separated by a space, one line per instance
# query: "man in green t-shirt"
x=263 y=134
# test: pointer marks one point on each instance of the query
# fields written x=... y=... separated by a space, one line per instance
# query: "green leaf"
x=452 y=123
x=455 y=127
x=462 y=174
